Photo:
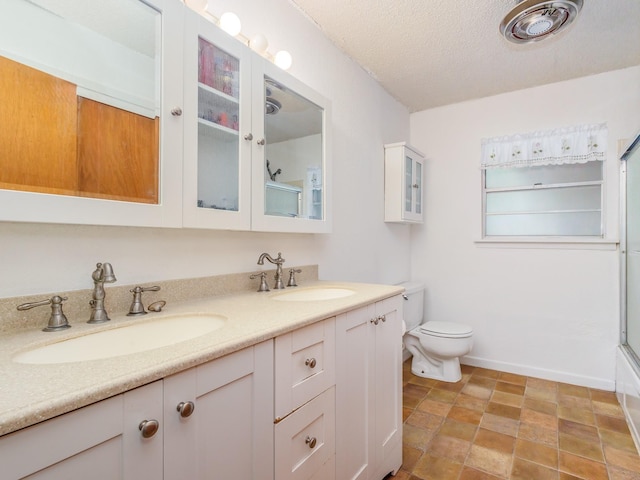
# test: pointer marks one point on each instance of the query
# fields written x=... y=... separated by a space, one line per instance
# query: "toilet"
x=436 y=346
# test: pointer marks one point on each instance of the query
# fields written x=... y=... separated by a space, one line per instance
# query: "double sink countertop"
x=31 y=393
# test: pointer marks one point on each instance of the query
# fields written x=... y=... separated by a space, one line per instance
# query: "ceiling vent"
x=533 y=20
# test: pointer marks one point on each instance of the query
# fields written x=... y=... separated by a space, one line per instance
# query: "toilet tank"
x=414 y=304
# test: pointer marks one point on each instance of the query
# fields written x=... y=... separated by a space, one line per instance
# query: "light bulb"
x=283 y=59
x=230 y=23
x=259 y=43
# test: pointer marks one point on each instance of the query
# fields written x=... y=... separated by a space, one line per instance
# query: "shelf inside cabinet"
x=216 y=131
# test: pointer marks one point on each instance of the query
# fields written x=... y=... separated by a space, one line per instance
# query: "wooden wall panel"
x=117 y=153
x=38 y=119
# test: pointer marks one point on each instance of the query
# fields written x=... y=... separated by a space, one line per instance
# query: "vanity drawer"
x=305 y=441
x=304 y=365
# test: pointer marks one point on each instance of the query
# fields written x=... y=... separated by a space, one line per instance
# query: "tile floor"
x=494 y=425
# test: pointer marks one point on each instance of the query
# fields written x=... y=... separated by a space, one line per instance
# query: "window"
x=544 y=183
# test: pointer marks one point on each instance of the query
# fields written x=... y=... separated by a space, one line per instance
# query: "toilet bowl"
x=436 y=346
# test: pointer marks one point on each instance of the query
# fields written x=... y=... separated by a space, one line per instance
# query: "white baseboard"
x=554 y=375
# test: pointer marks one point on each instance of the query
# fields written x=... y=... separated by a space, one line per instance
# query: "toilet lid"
x=446 y=329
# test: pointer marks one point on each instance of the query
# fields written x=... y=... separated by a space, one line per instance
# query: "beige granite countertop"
x=32 y=393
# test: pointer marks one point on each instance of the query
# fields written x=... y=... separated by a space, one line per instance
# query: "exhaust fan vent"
x=533 y=20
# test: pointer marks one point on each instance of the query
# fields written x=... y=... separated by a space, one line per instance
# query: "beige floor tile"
x=510 y=388
x=512 y=378
x=469 y=473
x=477 y=391
x=581 y=447
x=434 y=407
x=464 y=431
x=504 y=425
x=605 y=408
x=495 y=441
x=542 y=406
x=537 y=453
x=541 y=394
x=472 y=403
x=416 y=437
x=578 y=415
x=573 y=390
x=585 y=432
x=612 y=423
x=465 y=415
x=622 y=458
x=536 y=433
x=490 y=461
x=502 y=410
x=507 y=399
x=441 y=395
x=582 y=467
x=424 y=420
x=449 y=447
x=570 y=401
x=618 y=440
x=543 y=420
x=525 y=470
x=430 y=467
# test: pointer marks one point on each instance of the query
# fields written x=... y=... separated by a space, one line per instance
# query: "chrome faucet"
x=101 y=275
x=57 y=320
x=278 y=263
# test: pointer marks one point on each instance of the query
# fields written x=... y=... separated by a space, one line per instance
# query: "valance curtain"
x=577 y=144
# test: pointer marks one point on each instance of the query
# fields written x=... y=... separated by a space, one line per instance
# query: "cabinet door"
x=412 y=186
x=388 y=385
x=230 y=433
x=101 y=441
x=217 y=142
x=66 y=151
x=355 y=389
x=369 y=391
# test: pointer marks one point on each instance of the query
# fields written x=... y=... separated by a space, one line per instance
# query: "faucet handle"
x=57 y=320
x=137 y=308
x=292 y=277
x=263 y=281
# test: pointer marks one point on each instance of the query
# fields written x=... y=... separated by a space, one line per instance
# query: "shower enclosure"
x=630 y=251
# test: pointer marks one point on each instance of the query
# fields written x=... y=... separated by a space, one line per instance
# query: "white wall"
x=46 y=258
x=551 y=313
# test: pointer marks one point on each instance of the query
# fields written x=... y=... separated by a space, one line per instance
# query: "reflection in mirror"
x=294 y=154
x=80 y=89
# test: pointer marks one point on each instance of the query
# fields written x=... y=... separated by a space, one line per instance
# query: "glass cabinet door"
x=217 y=109
x=412 y=186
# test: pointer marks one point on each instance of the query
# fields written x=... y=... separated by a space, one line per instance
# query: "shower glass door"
x=631 y=251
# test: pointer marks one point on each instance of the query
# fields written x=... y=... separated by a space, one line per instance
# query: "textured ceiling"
x=429 y=53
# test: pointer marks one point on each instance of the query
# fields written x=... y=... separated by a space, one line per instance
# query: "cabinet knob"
x=248 y=136
x=148 y=428
x=375 y=321
x=186 y=409
x=415 y=185
x=176 y=112
x=311 y=441
x=383 y=318
x=310 y=362
x=261 y=141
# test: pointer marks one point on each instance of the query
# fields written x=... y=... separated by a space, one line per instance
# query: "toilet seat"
x=446 y=329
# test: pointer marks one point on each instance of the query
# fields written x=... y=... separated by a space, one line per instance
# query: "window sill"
x=569 y=243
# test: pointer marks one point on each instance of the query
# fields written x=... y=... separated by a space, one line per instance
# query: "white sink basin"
x=134 y=338
x=314 y=294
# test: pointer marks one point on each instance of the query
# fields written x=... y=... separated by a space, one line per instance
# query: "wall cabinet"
x=224 y=122
x=403 y=184
x=249 y=126
x=66 y=168
x=369 y=391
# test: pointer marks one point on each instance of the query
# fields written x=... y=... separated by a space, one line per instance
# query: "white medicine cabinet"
x=232 y=141
x=403 y=184
x=255 y=145
x=93 y=139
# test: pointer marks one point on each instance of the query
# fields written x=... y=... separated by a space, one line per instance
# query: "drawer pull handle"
x=311 y=441
x=186 y=409
x=311 y=363
x=148 y=428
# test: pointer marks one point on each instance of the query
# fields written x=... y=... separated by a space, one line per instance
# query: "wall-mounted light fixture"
x=230 y=23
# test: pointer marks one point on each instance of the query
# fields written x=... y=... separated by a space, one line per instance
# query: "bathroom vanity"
x=296 y=384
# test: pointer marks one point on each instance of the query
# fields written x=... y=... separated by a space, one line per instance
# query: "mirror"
x=294 y=173
x=80 y=89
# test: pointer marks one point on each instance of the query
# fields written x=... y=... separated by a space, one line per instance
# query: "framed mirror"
x=293 y=178
x=80 y=85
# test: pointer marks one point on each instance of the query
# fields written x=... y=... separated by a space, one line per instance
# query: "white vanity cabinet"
x=403 y=184
x=102 y=441
x=228 y=434
x=305 y=403
x=369 y=391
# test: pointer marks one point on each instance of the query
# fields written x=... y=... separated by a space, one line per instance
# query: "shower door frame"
x=628 y=152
